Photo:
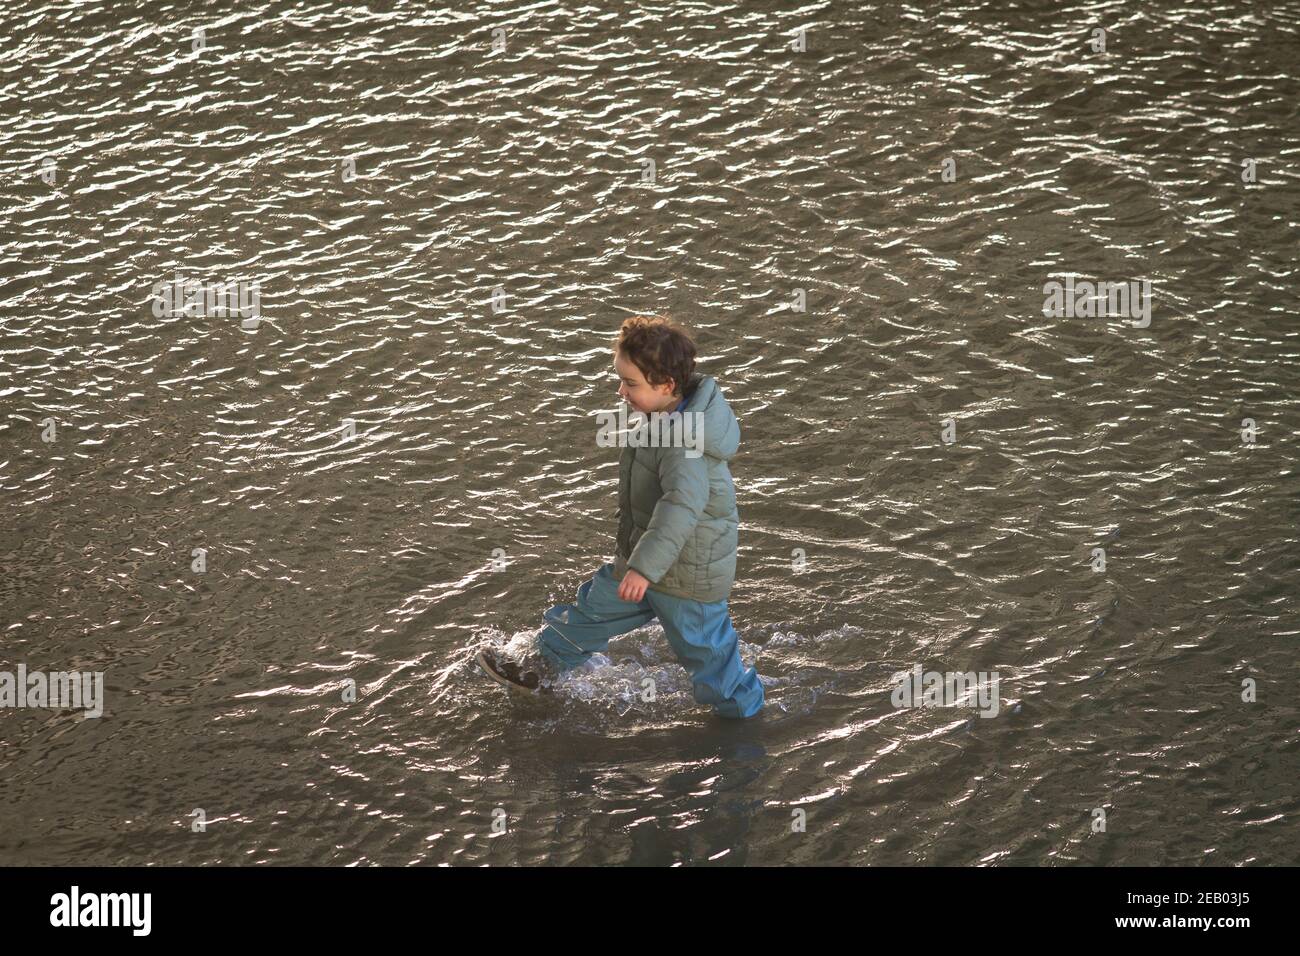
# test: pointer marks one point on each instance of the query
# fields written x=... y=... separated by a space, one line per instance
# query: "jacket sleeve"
x=685 y=484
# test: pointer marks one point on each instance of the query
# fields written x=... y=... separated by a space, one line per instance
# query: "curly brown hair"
x=660 y=348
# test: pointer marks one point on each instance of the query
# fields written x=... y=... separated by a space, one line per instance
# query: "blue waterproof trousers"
x=701 y=636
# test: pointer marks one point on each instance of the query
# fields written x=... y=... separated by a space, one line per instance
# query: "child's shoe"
x=532 y=676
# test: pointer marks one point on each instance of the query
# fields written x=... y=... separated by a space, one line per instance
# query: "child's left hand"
x=632 y=587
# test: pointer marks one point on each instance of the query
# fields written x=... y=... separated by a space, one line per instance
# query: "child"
x=676 y=551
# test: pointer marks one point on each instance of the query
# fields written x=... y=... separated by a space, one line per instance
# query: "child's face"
x=637 y=392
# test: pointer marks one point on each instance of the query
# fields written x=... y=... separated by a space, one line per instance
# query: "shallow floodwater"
x=444 y=239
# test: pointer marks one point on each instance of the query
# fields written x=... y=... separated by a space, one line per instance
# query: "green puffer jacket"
x=677 y=513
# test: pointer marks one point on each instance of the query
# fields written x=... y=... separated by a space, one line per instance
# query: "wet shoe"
x=514 y=676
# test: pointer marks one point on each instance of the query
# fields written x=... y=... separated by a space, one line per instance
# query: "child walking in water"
x=675 y=558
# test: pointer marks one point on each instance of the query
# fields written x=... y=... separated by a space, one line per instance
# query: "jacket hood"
x=721 y=430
